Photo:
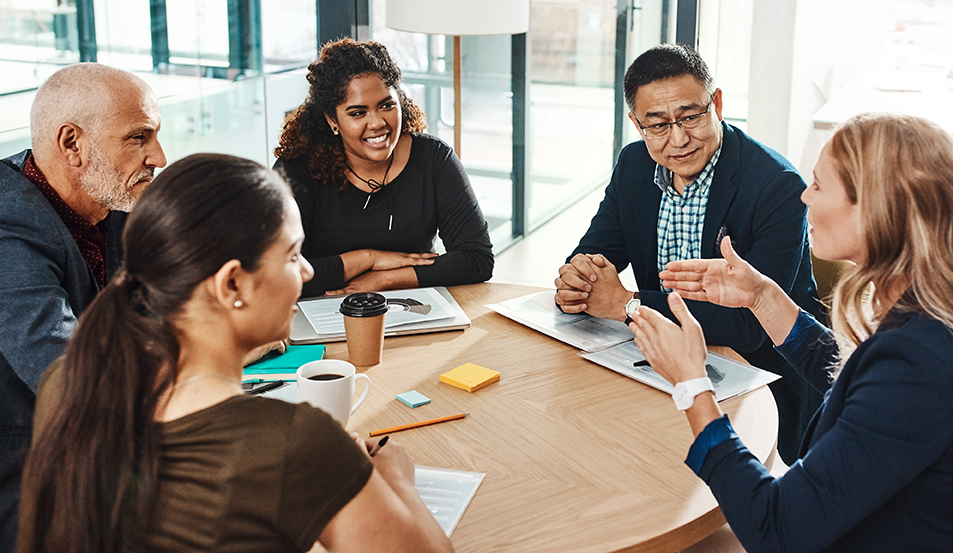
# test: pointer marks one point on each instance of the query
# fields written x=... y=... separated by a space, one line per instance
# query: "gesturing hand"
x=729 y=282
x=678 y=354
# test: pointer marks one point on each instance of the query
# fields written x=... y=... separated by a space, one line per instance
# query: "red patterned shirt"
x=90 y=238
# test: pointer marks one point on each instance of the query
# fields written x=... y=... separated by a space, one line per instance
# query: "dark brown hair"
x=91 y=476
x=307 y=133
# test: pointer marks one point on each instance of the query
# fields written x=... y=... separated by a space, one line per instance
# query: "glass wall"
x=228 y=71
x=724 y=41
x=572 y=101
x=574 y=105
x=426 y=62
x=225 y=77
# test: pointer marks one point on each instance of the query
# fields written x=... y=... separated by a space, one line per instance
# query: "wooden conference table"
x=577 y=457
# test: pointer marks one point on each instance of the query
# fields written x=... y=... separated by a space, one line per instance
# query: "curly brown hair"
x=307 y=133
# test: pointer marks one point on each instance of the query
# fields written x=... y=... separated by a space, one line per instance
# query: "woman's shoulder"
x=293 y=169
x=428 y=145
x=287 y=430
x=918 y=326
x=918 y=339
x=252 y=414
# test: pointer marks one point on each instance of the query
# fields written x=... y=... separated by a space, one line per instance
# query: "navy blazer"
x=754 y=199
x=876 y=472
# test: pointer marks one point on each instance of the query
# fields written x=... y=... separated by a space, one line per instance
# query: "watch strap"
x=685 y=392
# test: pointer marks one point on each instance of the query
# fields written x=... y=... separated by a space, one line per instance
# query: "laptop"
x=318 y=320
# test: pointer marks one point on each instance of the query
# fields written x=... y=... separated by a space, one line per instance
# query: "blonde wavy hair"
x=899 y=169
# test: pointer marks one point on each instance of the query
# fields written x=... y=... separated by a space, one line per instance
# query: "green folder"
x=287 y=362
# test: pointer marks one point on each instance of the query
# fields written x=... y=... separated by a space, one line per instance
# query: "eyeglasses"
x=662 y=130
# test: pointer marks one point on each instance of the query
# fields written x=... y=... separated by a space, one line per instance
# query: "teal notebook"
x=287 y=362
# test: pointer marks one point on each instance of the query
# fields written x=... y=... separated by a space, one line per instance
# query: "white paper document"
x=405 y=309
x=730 y=377
x=539 y=312
x=446 y=493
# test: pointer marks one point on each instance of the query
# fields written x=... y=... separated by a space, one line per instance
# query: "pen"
x=262 y=380
x=378 y=446
x=417 y=424
x=265 y=387
x=642 y=363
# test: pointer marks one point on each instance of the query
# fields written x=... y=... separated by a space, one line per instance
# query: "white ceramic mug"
x=333 y=394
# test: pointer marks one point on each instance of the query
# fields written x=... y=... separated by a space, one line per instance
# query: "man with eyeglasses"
x=692 y=181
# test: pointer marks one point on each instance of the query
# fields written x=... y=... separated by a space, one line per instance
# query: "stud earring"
x=238 y=304
x=334 y=130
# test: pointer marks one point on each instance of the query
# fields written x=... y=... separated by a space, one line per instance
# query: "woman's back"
x=252 y=474
x=876 y=472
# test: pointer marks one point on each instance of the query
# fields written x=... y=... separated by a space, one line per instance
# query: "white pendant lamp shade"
x=459 y=17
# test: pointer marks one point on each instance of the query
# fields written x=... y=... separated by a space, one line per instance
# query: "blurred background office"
x=543 y=115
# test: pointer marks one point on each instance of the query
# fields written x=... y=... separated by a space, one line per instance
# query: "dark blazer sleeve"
x=461 y=227
x=34 y=305
x=606 y=234
x=879 y=471
x=767 y=225
x=328 y=270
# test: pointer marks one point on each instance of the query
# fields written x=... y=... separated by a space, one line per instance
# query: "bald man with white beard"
x=62 y=207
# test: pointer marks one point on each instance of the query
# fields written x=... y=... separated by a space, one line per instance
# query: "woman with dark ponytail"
x=143 y=438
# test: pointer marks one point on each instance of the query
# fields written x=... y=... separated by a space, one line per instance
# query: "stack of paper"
x=610 y=344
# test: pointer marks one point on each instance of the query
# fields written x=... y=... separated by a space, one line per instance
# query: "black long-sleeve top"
x=431 y=195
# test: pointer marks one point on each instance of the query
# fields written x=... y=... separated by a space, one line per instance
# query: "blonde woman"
x=875 y=471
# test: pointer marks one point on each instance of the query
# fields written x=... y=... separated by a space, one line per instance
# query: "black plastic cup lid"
x=364 y=304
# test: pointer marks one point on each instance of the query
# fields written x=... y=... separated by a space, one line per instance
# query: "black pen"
x=378 y=445
x=642 y=363
x=265 y=387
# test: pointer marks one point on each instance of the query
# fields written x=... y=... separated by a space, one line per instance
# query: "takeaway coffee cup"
x=328 y=384
x=364 y=327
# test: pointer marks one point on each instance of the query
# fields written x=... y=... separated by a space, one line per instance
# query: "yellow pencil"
x=417 y=424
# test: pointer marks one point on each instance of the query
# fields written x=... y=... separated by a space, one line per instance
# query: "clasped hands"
x=589 y=283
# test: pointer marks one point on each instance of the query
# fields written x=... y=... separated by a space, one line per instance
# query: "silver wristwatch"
x=632 y=306
x=685 y=392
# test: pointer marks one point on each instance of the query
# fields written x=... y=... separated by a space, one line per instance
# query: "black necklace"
x=373 y=184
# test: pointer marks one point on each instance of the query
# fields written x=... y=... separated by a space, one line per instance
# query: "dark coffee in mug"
x=326 y=377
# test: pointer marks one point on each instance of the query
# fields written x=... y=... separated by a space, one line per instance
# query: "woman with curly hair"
x=373 y=190
x=875 y=470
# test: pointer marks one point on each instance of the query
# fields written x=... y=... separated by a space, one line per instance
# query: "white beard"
x=106 y=185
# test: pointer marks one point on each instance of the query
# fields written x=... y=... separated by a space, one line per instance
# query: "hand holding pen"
x=380 y=443
x=392 y=462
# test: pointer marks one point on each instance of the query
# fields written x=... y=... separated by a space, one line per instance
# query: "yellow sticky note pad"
x=470 y=377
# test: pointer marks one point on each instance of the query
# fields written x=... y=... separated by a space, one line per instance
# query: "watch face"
x=632 y=306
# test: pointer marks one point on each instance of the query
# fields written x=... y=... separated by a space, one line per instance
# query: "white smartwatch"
x=686 y=391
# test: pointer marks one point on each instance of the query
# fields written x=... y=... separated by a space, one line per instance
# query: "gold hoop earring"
x=334 y=130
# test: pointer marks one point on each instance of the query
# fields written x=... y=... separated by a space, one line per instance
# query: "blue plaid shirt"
x=682 y=218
